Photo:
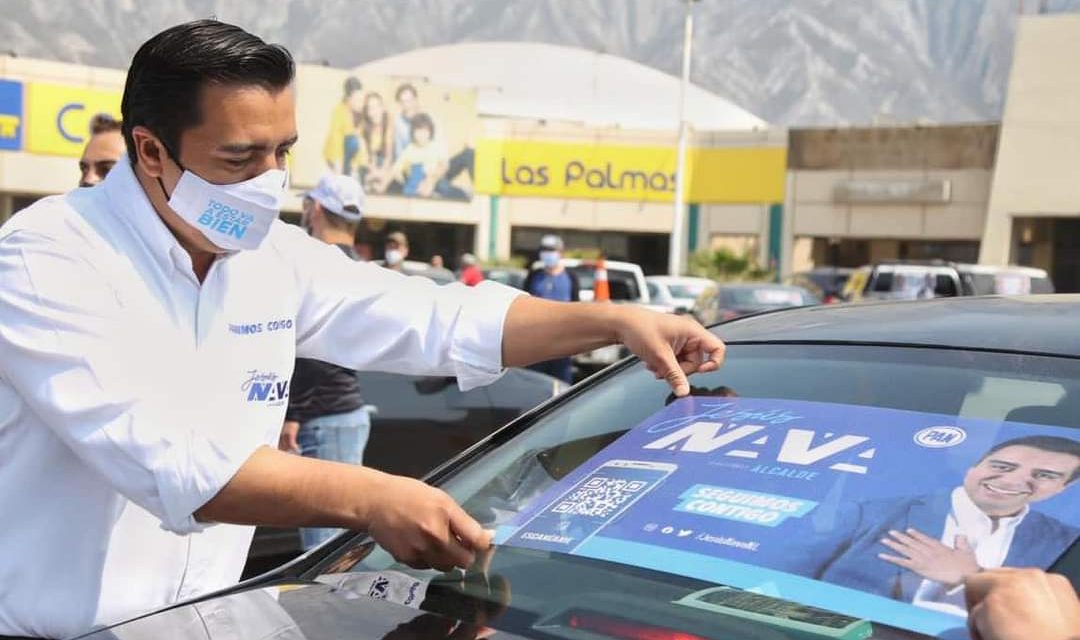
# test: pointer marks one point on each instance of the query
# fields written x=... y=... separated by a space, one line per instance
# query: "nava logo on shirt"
x=265 y=386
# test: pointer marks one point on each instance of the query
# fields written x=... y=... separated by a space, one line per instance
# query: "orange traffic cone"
x=601 y=289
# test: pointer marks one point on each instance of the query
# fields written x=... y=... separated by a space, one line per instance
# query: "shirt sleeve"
x=88 y=368
x=361 y=316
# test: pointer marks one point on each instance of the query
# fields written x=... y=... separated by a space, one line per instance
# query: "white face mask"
x=394 y=256
x=233 y=217
x=550 y=259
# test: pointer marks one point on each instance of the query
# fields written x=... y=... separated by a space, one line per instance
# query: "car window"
x=623 y=285
x=765 y=297
x=944 y=392
x=688 y=290
x=654 y=290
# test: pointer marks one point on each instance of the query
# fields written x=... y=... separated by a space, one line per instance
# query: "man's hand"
x=1019 y=604
x=930 y=558
x=423 y=526
x=671 y=347
x=287 y=441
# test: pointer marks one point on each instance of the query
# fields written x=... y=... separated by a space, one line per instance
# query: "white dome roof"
x=551 y=82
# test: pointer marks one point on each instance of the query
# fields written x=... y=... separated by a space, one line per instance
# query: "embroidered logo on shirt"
x=252 y=328
x=265 y=386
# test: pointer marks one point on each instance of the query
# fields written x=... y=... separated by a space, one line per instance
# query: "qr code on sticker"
x=600 y=497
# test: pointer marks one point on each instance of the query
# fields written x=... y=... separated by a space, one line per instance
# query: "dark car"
x=428 y=411
x=734 y=300
x=755 y=509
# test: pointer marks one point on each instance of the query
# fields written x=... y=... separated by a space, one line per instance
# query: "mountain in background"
x=792 y=62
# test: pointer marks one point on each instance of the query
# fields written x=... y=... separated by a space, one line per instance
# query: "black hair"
x=421 y=121
x=402 y=88
x=1053 y=444
x=168 y=72
x=352 y=84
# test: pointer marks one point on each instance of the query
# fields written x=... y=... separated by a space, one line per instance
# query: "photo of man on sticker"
x=920 y=549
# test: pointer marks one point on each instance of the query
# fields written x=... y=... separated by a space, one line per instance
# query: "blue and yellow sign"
x=11 y=115
x=60 y=115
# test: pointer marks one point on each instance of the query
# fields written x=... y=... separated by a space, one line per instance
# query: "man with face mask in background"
x=396 y=250
x=148 y=330
x=327 y=418
x=552 y=281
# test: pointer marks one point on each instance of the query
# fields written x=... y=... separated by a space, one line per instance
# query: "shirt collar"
x=129 y=202
x=970 y=517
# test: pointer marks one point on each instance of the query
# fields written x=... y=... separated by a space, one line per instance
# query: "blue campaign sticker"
x=823 y=503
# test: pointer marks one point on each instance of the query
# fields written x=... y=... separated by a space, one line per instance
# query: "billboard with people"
x=398 y=136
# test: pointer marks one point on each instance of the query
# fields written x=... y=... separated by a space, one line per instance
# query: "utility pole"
x=675 y=253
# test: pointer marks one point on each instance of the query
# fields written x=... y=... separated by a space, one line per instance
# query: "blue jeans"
x=340 y=437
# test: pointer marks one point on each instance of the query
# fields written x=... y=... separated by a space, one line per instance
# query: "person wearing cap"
x=327 y=417
x=471 y=274
x=396 y=250
x=552 y=281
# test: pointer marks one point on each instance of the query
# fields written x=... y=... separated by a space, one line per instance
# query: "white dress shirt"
x=991 y=547
x=130 y=393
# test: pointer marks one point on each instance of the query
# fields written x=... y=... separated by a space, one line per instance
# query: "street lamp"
x=677 y=228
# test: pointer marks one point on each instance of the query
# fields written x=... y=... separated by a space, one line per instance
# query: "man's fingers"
x=671 y=371
x=897 y=560
x=961 y=543
x=473 y=536
x=904 y=538
x=919 y=536
x=897 y=547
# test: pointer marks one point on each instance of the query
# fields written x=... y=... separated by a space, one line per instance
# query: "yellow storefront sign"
x=58 y=121
x=625 y=172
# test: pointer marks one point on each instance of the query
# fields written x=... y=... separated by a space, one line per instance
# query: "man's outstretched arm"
x=419 y=525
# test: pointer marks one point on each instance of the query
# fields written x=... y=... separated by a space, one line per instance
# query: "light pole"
x=675 y=253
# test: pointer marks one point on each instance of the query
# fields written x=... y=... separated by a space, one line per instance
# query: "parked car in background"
x=939 y=279
x=767 y=530
x=984 y=280
x=902 y=280
x=626 y=281
x=420 y=422
x=507 y=275
x=676 y=294
x=826 y=283
x=731 y=301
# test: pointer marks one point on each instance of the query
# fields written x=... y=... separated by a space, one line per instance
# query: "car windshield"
x=687 y=289
x=756 y=507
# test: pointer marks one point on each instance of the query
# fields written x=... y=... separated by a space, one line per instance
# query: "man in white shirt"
x=921 y=549
x=148 y=329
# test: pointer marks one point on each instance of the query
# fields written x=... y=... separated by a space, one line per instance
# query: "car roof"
x=610 y=264
x=760 y=285
x=677 y=279
x=990 y=269
x=1044 y=324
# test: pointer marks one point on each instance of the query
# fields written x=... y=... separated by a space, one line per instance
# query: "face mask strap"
x=175 y=160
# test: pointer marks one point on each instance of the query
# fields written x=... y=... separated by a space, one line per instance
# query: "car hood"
x=296 y=611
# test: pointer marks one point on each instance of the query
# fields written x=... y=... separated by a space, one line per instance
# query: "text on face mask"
x=225 y=220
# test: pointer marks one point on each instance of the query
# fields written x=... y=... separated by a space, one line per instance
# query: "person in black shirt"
x=327 y=417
